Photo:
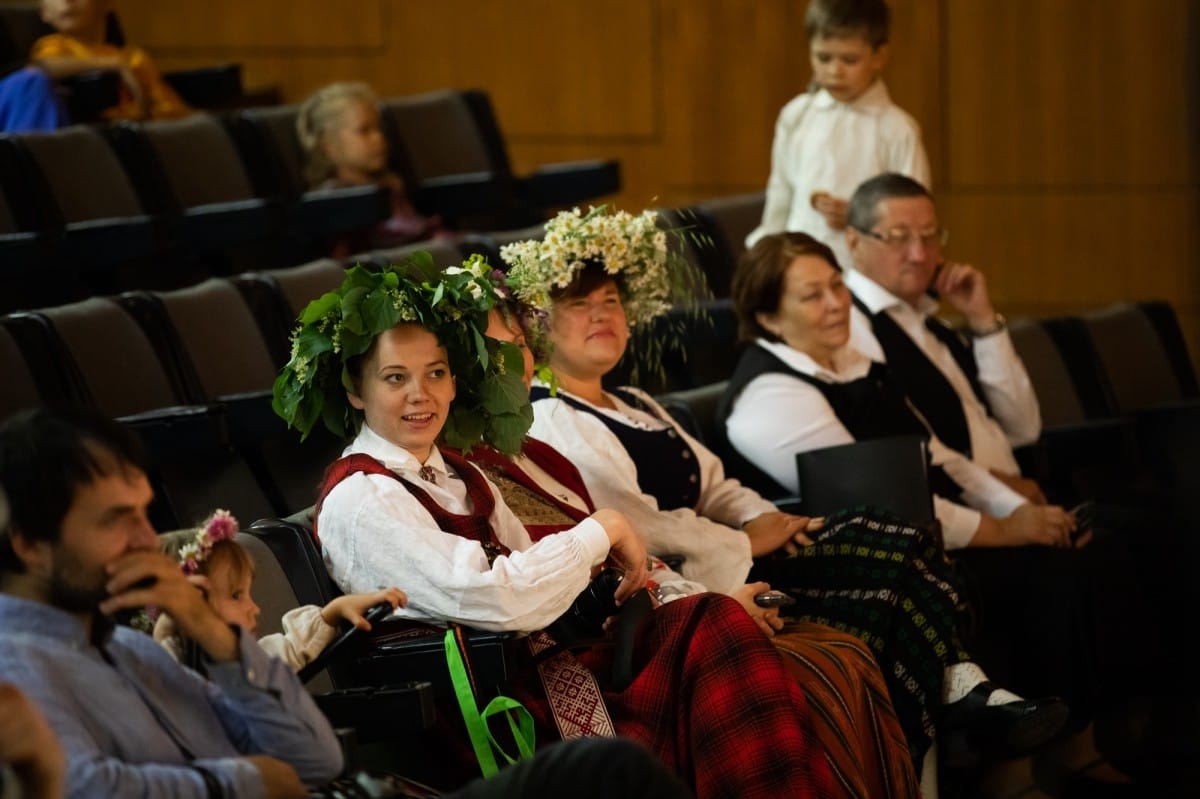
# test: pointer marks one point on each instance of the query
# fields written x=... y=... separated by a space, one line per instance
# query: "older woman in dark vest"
x=799 y=386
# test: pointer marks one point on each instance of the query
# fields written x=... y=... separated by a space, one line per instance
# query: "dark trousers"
x=1075 y=623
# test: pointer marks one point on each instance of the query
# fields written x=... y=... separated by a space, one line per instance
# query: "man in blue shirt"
x=79 y=547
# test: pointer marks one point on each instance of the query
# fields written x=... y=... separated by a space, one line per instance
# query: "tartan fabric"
x=889 y=584
x=714 y=701
x=852 y=712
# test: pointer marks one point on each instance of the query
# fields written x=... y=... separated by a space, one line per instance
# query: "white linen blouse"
x=716 y=552
x=375 y=534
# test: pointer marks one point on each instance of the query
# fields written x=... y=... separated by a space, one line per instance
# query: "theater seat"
x=89 y=203
x=29 y=275
x=397 y=653
x=286 y=577
x=445 y=252
x=116 y=368
x=276 y=297
x=189 y=171
x=448 y=148
x=726 y=221
x=684 y=348
x=270 y=149
x=211 y=332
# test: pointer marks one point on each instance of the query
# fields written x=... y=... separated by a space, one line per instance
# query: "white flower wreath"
x=632 y=248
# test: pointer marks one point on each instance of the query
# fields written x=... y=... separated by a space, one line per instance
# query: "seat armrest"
x=455 y=196
x=380 y=712
x=421 y=655
x=790 y=505
x=570 y=182
x=207 y=87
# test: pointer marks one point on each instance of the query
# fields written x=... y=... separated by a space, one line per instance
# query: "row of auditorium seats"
x=162 y=204
x=1116 y=385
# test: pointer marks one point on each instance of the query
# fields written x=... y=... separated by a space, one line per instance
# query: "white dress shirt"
x=716 y=553
x=778 y=415
x=376 y=534
x=1018 y=420
x=825 y=145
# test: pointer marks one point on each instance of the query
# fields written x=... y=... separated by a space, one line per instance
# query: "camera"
x=584 y=620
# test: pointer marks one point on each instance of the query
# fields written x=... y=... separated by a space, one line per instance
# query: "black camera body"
x=584 y=620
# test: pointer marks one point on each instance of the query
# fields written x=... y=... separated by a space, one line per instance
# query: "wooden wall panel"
x=296 y=25
x=727 y=70
x=1068 y=92
x=729 y=67
x=1078 y=249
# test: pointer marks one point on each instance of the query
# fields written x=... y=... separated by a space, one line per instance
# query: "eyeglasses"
x=900 y=238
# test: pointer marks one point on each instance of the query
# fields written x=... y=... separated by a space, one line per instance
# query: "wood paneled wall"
x=1064 y=134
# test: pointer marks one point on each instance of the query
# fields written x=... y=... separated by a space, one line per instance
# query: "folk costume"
x=462 y=556
x=908 y=612
x=851 y=711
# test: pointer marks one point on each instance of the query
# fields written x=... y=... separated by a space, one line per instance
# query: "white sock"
x=962 y=677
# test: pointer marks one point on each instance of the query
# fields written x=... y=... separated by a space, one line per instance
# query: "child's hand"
x=352 y=606
x=832 y=208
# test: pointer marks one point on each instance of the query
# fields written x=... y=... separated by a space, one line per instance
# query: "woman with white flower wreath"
x=593 y=277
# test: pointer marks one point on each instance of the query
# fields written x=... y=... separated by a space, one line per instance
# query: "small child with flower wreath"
x=219 y=566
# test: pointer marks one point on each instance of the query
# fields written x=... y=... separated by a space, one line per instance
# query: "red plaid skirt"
x=713 y=700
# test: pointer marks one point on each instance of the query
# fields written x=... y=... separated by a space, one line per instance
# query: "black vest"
x=869 y=407
x=927 y=388
x=666 y=466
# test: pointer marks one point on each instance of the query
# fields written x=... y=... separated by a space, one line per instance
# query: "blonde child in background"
x=343 y=143
x=842 y=131
x=225 y=572
x=80 y=46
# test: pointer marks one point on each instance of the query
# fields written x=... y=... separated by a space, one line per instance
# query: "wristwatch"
x=998 y=324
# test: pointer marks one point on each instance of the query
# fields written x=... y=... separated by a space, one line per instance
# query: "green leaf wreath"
x=491 y=406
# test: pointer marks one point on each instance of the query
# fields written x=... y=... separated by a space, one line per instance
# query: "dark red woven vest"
x=473 y=525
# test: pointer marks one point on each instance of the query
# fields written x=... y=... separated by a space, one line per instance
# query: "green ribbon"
x=520 y=722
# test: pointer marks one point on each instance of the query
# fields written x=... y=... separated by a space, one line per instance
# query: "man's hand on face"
x=148 y=577
x=965 y=289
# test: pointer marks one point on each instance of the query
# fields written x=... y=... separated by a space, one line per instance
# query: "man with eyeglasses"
x=973 y=390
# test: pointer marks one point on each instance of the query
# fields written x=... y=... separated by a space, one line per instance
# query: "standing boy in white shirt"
x=842 y=131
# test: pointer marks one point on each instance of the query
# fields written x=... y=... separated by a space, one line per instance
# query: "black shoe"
x=971 y=727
